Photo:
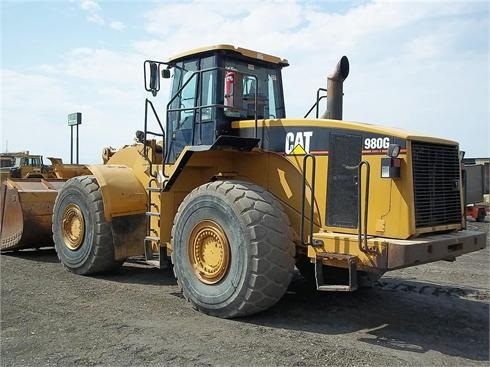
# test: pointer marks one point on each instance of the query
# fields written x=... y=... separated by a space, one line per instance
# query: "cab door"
x=182 y=110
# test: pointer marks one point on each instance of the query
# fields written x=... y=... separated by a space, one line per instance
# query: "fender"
x=125 y=204
x=122 y=192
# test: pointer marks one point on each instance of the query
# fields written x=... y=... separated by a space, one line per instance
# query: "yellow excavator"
x=236 y=195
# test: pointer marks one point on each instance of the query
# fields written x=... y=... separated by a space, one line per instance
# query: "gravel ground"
x=430 y=315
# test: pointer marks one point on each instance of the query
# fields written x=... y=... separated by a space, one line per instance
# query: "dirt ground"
x=430 y=315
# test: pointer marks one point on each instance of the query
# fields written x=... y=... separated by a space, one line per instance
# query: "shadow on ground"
x=394 y=319
x=137 y=272
x=133 y=271
x=43 y=254
x=397 y=318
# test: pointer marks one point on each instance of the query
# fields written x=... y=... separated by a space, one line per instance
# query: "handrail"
x=145 y=140
x=318 y=99
x=362 y=237
x=303 y=196
x=198 y=109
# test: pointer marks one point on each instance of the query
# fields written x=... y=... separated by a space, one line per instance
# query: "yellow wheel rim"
x=209 y=252
x=73 y=227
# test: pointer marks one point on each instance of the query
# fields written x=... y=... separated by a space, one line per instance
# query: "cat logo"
x=298 y=143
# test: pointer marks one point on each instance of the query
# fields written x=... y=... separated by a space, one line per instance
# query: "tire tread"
x=101 y=258
x=272 y=270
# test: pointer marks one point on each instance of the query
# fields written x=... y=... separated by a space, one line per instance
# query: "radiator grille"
x=436 y=180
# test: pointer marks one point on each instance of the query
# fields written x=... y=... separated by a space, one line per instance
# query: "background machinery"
x=236 y=194
x=476 y=194
x=24 y=165
x=27 y=193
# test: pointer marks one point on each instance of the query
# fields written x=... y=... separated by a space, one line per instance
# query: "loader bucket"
x=62 y=170
x=25 y=212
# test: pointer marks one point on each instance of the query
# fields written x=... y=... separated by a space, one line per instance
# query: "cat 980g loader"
x=236 y=195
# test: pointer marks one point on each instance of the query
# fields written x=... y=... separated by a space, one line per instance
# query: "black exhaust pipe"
x=335 y=90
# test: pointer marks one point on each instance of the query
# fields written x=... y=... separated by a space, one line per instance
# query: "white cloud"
x=103 y=65
x=48 y=69
x=420 y=66
x=410 y=62
x=90 y=6
x=15 y=87
x=33 y=113
x=93 y=11
x=104 y=85
x=117 y=25
x=95 y=18
x=94 y=15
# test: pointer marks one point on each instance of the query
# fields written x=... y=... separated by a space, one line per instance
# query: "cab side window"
x=207 y=95
x=184 y=103
x=191 y=114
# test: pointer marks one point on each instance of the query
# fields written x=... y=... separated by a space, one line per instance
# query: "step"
x=322 y=285
x=151 y=214
x=159 y=264
x=334 y=288
x=154 y=189
x=154 y=263
x=152 y=239
x=158 y=259
x=149 y=255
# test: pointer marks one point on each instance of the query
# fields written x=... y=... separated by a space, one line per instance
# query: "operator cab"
x=29 y=161
x=213 y=86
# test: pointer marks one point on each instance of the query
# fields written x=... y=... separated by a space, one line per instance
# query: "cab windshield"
x=245 y=82
x=34 y=161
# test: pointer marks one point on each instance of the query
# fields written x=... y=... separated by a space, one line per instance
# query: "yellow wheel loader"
x=27 y=197
x=236 y=195
x=25 y=165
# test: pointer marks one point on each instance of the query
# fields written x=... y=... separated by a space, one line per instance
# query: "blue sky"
x=420 y=66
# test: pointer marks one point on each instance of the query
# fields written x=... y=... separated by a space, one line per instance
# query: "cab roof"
x=232 y=49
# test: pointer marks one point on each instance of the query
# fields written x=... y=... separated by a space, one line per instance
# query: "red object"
x=478 y=212
x=229 y=88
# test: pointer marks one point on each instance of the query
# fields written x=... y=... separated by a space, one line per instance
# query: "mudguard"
x=122 y=192
x=125 y=205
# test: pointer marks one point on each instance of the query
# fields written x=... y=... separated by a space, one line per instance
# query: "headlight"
x=393 y=150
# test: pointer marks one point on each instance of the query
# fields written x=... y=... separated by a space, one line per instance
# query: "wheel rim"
x=73 y=227
x=209 y=252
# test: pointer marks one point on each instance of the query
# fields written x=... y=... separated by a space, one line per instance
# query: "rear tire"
x=82 y=237
x=233 y=251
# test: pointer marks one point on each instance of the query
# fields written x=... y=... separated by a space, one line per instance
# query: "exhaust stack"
x=335 y=90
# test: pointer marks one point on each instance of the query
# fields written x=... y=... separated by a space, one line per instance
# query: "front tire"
x=82 y=237
x=233 y=250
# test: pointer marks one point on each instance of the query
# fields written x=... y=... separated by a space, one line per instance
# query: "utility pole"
x=74 y=119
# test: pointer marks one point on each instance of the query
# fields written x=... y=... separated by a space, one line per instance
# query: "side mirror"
x=154 y=79
x=166 y=73
x=152 y=74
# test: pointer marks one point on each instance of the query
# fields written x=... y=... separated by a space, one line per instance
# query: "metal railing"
x=362 y=226
x=146 y=132
x=312 y=197
x=316 y=104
